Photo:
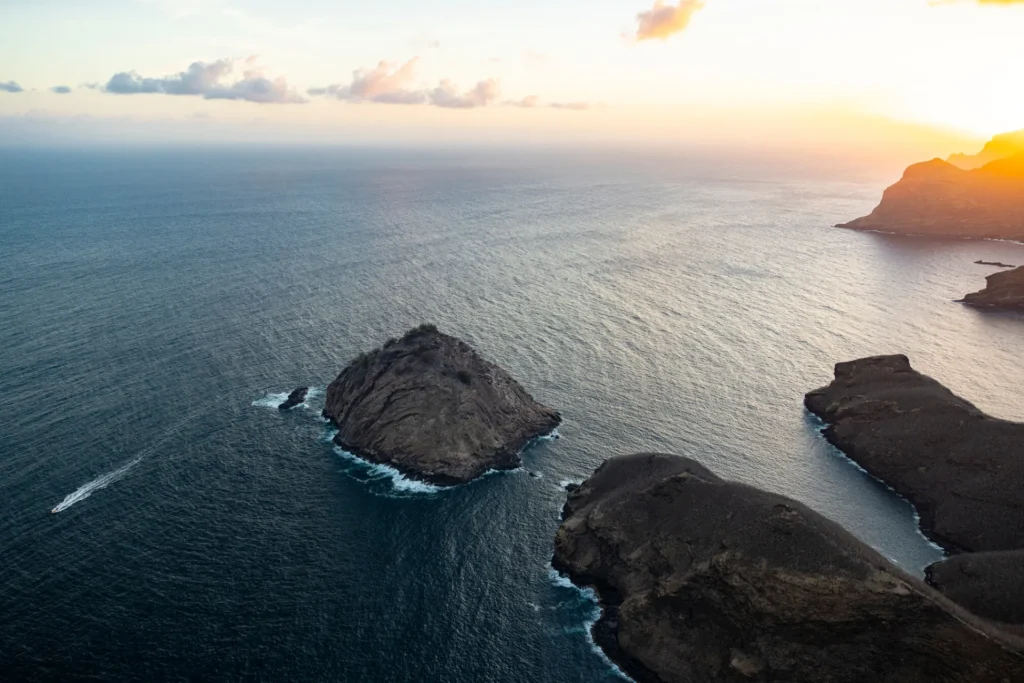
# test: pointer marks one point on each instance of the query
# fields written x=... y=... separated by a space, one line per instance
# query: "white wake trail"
x=104 y=480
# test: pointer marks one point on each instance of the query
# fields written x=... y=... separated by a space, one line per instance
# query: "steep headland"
x=429 y=406
x=938 y=199
x=1003 y=290
x=703 y=579
x=962 y=469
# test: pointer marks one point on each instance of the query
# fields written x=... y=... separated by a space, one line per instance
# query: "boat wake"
x=102 y=481
x=105 y=480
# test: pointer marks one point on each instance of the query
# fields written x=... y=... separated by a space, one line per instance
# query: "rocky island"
x=429 y=406
x=296 y=398
x=1003 y=290
x=703 y=579
x=962 y=469
x=938 y=199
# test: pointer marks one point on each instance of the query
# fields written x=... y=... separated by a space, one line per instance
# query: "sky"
x=883 y=73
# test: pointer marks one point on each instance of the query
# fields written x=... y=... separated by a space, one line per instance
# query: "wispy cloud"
x=528 y=102
x=534 y=102
x=663 y=21
x=61 y=89
x=10 y=86
x=206 y=80
x=390 y=83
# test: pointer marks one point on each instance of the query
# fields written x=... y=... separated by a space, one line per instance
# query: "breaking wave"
x=586 y=597
x=365 y=470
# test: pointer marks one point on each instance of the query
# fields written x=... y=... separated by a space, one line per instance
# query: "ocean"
x=155 y=304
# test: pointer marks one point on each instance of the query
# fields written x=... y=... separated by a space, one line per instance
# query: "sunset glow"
x=671 y=72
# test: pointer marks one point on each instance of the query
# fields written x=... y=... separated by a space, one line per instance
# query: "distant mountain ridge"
x=1000 y=147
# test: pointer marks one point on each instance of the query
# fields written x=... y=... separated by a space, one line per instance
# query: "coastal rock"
x=962 y=469
x=707 y=580
x=1003 y=290
x=990 y=585
x=295 y=398
x=997 y=264
x=429 y=406
x=937 y=199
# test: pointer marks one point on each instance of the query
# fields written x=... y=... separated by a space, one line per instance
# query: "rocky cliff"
x=937 y=199
x=429 y=406
x=707 y=580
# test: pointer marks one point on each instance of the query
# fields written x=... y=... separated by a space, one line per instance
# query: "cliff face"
x=1004 y=290
x=962 y=469
x=703 y=579
x=429 y=406
x=936 y=198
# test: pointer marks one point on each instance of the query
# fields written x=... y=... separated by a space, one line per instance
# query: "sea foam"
x=273 y=400
x=372 y=471
x=588 y=596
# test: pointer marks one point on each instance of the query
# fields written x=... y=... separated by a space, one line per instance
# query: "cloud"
x=528 y=102
x=389 y=83
x=663 y=21
x=61 y=89
x=447 y=95
x=533 y=102
x=386 y=84
x=575 y=106
x=10 y=86
x=206 y=80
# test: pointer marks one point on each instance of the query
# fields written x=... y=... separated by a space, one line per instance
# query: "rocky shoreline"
x=1004 y=289
x=962 y=469
x=428 y=405
x=703 y=579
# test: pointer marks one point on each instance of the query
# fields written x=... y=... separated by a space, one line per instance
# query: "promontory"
x=938 y=199
x=703 y=579
x=429 y=406
x=962 y=469
x=1004 y=289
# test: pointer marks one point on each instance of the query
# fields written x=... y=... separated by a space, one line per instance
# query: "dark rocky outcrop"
x=990 y=585
x=429 y=406
x=937 y=199
x=997 y=264
x=962 y=469
x=295 y=398
x=1003 y=290
x=707 y=580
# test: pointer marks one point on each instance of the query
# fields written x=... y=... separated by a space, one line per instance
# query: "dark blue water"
x=153 y=301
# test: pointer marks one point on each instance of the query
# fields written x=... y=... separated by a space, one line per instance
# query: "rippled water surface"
x=153 y=303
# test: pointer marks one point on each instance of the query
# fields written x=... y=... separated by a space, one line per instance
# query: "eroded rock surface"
x=707 y=580
x=429 y=406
